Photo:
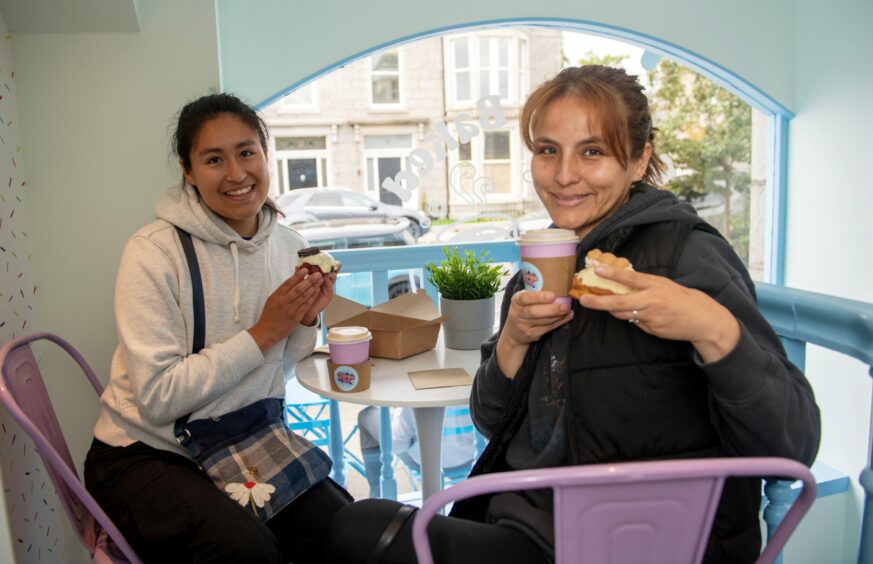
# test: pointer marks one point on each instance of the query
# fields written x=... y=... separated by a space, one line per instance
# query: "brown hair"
x=195 y=114
x=620 y=107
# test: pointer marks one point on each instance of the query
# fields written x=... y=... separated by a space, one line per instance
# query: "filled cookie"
x=586 y=281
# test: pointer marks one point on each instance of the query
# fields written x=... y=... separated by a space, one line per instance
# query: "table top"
x=389 y=380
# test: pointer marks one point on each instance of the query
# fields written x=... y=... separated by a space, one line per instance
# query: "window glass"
x=299 y=143
x=462 y=53
x=385 y=77
x=325 y=199
x=431 y=155
x=352 y=199
x=386 y=60
x=465 y=152
x=302 y=173
x=302 y=97
x=497 y=145
x=463 y=86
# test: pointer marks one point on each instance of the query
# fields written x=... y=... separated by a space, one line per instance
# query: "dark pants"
x=357 y=528
x=170 y=511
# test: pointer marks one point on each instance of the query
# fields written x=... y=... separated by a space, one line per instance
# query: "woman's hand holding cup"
x=531 y=315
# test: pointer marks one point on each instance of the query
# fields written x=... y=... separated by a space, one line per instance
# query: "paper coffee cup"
x=548 y=261
x=349 y=345
x=349 y=377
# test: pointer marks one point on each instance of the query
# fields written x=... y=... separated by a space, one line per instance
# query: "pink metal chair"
x=633 y=512
x=23 y=394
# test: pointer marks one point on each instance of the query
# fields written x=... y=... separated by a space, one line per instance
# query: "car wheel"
x=398 y=288
x=415 y=229
x=399 y=285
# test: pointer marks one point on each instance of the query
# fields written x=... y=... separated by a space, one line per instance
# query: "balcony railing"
x=800 y=318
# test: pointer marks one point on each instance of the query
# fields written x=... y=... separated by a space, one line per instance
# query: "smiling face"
x=229 y=170
x=575 y=174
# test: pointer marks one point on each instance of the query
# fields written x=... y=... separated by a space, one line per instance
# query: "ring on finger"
x=635 y=317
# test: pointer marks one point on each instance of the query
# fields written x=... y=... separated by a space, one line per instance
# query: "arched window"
x=427 y=130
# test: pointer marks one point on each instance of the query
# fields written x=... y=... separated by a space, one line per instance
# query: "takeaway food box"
x=401 y=327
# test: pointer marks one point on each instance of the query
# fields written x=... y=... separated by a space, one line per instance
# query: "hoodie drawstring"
x=235 y=253
x=269 y=266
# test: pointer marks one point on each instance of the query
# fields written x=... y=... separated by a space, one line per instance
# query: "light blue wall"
x=268 y=45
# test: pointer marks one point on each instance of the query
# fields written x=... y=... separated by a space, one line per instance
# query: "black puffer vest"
x=632 y=396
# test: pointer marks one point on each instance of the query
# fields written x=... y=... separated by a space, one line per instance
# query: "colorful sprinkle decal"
x=35 y=522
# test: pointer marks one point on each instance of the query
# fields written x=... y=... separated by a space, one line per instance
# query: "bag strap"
x=182 y=434
x=404 y=512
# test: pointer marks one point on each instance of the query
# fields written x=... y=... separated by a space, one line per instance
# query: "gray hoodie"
x=154 y=378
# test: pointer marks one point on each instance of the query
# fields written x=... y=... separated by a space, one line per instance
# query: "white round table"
x=390 y=386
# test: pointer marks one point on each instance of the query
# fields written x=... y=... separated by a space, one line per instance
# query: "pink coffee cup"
x=349 y=345
x=548 y=261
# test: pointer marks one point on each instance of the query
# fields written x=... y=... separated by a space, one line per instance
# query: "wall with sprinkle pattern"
x=35 y=520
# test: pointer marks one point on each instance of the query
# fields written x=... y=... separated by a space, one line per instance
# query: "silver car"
x=314 y=204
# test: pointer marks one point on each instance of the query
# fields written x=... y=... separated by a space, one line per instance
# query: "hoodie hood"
x=646 y=205
x=182 y=206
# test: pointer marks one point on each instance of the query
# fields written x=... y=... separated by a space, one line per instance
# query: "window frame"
x=401 y=99
x=279 y=160
x=517 y=69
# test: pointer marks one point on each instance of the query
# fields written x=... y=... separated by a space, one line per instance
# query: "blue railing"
x=799 y=318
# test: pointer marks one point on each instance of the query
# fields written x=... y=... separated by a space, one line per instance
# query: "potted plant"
x=467 y=284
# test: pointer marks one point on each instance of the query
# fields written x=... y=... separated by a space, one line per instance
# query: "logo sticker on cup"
x=533 y=278
x=345 y=378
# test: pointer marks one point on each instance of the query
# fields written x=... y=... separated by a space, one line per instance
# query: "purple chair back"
x=23 y=394
x=633 y=512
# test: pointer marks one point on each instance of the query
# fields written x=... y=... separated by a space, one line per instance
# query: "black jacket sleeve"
x=491 y=388
x=760 y=403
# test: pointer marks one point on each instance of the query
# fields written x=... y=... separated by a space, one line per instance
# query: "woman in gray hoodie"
x=261 y=318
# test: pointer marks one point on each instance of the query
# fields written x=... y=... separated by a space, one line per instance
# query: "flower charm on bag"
x=251 y=493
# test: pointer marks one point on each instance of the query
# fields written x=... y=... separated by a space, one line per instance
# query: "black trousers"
x=170 y=511
x=357 y=528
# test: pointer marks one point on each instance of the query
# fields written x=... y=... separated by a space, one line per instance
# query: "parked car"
x=363 y=233
x=356 y=233
x=310 y=204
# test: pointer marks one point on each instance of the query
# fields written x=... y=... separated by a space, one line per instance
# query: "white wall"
x=26 y=526
x=95 y=111
x=830 y=205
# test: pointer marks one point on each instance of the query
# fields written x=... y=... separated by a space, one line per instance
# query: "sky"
x=577 y=44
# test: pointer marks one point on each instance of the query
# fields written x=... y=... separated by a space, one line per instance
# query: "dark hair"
x=196 y=113
x=621 y=110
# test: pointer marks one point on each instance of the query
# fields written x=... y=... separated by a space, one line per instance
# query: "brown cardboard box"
x=407 y=325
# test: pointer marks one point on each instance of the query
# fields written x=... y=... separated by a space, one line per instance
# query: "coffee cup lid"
x=540 y=236
x=351 y=334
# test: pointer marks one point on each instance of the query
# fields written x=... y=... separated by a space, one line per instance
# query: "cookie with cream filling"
x=586 y=281
x=313 y=259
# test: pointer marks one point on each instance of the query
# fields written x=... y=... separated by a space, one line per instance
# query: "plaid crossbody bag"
x=250 y=453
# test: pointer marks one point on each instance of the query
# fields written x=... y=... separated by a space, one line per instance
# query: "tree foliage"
x=706 y=131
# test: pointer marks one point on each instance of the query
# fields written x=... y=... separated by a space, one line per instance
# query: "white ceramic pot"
x=467 y=323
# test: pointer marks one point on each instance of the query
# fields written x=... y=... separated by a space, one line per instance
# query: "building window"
x=385 y=77
x=487 y=162
x=301 y=162
x=482 y=65
x=303 y=98
x=384 y=157
x=497 y=161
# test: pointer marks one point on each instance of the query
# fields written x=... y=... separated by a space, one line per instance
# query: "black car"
x=313 y=204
